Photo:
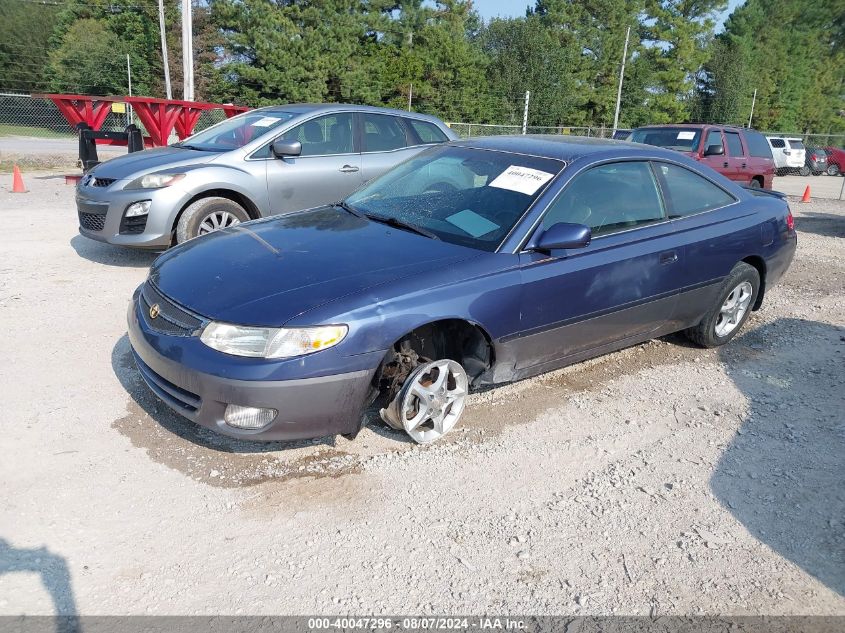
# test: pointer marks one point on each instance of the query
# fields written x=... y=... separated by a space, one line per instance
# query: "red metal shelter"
x=158 y=116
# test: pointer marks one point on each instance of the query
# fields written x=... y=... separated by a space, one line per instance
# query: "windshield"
x=236 y=132
x=464 y=196
x=681 y=139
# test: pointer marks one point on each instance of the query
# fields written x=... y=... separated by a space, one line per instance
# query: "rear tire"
x=755 y=184
x=207 y=215
x=804 y=171
x=731 y=309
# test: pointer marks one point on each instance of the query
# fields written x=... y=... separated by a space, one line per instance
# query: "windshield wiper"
x=185 y=146
x=402 y=224
x=348 y=207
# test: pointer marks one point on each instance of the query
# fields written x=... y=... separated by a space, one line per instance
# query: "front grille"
x=101 y=182
x=178 y=398
x=92 y=221
x=171 y=319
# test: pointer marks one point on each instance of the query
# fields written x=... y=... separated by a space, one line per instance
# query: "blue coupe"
x=474 y=263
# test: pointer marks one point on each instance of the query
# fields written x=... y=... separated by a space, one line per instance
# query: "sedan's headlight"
x=155 y=181
x=269 y=342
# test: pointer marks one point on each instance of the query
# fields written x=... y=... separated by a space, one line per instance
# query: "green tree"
x=90 y=60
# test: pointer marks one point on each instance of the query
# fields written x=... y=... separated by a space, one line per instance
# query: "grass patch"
x=28 y=130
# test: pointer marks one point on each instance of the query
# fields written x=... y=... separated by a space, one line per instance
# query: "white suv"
x=788 y=153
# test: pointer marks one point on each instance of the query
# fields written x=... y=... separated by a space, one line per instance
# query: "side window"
x=777 y=143
x=325 y=135
x=688 y=193
x=757 y=145
x=734 y=144
x=609 y=198
x=383 y=133
x=427 y=132
x=714 y=137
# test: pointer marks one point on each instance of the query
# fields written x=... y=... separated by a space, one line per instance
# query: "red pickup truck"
x=740 y=154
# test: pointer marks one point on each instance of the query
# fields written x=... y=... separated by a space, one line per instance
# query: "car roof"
x=566 y=148
x=316 y=108
x=696 y=126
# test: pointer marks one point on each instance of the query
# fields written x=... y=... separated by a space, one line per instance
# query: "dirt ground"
x=662 y=479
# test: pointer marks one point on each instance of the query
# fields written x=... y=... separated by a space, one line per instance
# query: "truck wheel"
x=207 y=215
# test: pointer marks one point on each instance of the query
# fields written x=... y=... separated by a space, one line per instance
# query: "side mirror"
x=715 y=150
x=282 y=148
x=562 y=235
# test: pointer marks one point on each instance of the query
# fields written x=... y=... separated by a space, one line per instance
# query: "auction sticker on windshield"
x=522 y=179
x=686 y=135
x=266 y=121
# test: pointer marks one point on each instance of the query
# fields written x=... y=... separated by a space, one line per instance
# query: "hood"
x=149 y=160
x=269 y=271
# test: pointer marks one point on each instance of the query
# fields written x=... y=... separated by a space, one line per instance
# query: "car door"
x=328 y=169
x=385 y=143
x=703 y=213
x=736 y=157
x=622 y=286
x=779 y=151
x=718 y=163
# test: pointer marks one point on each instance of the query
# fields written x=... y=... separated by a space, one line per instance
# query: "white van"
x=789 y=154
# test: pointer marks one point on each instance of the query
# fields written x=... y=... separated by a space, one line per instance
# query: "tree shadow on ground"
x=783 y=474
x=55 y=577
x=824 y=224
x=111 y=255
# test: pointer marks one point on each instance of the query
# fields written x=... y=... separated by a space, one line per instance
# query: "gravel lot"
x=663 y=479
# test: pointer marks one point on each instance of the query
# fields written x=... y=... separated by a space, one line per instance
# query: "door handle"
x=348 y=169
x=669 y=257
x=725 y=164
x=743 y=165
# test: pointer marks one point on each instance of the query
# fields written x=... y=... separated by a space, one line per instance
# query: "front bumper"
x=308 y=407
x=101 y=211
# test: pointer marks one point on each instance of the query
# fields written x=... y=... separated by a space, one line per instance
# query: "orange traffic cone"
x=806 y=196
x=17 y=181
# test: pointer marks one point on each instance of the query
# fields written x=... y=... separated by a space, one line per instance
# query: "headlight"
x=155 y=181
x=269 y=342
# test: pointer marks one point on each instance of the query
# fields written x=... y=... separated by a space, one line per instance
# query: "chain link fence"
x=23 y=117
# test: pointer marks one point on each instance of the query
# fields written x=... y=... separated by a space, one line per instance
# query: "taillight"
x=790 y=221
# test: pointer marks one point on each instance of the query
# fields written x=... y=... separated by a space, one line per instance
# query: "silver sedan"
x=263 y=162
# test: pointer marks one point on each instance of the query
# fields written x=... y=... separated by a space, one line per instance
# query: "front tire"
x=804 y=171
x=208 y=215
x=832 y=170
x=731 y=310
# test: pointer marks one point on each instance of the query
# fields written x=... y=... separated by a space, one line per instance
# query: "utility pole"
x=525 y=114
x=621 y=78
x=129 y=82
x=753 y=101
x=187 y=51
x=410 y=96
x=164 y=49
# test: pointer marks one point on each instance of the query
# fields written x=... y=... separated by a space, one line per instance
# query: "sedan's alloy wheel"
x=216 y=221
x=430 y=402
x=734 y=308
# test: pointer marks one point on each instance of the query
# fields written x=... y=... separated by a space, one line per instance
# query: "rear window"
x=428 y=132
x=794 y=143
x=757 y=145
x=678 y=138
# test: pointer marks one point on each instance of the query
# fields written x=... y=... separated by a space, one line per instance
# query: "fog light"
x=137 y=209
x=248 y=417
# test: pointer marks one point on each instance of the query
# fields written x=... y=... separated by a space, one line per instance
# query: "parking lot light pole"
x=187 y=51
x=621 y=79
x=164 y=49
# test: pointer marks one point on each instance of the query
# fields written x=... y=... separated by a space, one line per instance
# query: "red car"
x=741 y=154
x=835 y=160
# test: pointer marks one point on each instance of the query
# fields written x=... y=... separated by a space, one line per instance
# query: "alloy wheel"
x=734 y=308
x=432 y=400
x=216 y=221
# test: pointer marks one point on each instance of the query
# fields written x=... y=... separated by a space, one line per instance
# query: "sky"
x=514 y=8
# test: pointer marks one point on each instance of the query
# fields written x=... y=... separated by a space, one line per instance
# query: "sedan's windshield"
x=678 y=138
x=461 y=195
x=236 y=132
